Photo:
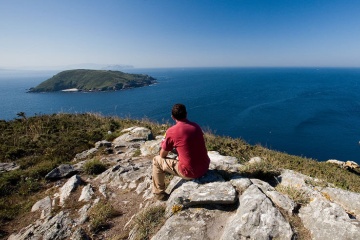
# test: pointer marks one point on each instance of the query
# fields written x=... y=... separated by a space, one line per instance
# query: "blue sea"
x=308 y=112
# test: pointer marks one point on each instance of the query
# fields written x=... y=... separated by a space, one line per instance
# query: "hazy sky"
x=180 y=33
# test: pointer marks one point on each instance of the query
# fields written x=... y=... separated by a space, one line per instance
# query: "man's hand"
x=163 y=153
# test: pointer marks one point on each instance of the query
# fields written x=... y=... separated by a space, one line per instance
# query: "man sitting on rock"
x=187 y=139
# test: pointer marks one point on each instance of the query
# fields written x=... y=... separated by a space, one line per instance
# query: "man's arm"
x=163 y=153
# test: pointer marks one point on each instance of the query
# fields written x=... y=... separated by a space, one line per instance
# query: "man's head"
x=179 y=111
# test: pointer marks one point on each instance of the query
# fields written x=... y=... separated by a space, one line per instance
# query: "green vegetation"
x=93 y=80
x=38 y=144
x=94 y=167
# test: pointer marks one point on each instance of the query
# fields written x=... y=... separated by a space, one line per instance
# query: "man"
x=187 y=139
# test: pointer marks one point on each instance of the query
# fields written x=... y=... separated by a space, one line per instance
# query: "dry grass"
x=149 y=221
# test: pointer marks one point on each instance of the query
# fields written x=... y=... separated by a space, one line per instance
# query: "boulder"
x=44 y=205
x=350 y=201
x=257 y=218
x=194 y=224
x=68 y=187
x=150 y=148
x=195 y=192
x=55 y=228
x=86 y=193
x=327 y=220
x=135 y=134
x=62 y=171
x=220 y=162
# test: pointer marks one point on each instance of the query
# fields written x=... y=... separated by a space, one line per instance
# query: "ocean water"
x=303 y=111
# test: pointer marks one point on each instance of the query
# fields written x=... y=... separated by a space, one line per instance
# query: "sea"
x=309 y=112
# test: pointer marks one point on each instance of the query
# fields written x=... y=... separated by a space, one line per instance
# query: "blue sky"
x=180 y=33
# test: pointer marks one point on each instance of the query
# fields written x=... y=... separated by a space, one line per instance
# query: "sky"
x=180 y=33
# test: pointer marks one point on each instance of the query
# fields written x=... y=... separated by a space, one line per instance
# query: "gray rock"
x=348 y=200
x=85 y=154
x=194 y=224
x=150 y=147
x=135 y=134
x=282 y=201
x=44 y=205
x=220 y=162
x=326 y=220
x=257 y=218
x=191 y=193
x=103 y=143
x=62 y=171
x=254 y=160
x=240 y=183
x=68 y=187
x=86 y=193
x=289 y=178
x=56 y=228
x=83 y=214
x=126 y=175
x=6 y=167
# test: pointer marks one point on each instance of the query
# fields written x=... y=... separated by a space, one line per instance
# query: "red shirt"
x=187 y=137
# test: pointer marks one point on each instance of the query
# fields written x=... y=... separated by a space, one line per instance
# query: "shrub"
x=94 y=167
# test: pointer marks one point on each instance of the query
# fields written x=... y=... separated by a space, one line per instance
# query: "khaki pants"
x=159 y=167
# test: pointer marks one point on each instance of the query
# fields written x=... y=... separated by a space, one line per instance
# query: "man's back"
x=187 y=138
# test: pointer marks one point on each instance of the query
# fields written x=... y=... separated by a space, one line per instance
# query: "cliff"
x=229 y=202
x=93 y=80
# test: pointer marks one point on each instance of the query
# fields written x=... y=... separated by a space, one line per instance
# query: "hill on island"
x=93 y=80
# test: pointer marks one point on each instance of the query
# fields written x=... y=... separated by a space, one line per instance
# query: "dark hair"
x=179 y=111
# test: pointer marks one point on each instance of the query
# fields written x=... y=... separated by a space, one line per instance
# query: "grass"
x=100 y=215
x=94 y=167
x=297 y=195
x=148 y=221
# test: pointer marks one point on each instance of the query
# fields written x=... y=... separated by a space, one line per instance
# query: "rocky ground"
x=221 y=205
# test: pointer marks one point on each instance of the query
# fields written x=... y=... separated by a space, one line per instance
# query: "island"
x=92 y=80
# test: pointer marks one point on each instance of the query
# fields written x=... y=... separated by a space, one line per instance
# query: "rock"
x=257 y=218
x=337 y=162
x=220 y=162
x=255 y=160
x=6 y=167
x=135 y=134
x=298 y=181
x=86 y=193
x=68 y=187
x=191 y=193
x=351 y=165
x=126 y=175
x=62 y=171
x=194 y=224
x=350 y=201
x=83 y=214
x=103 y=143
x=44 y=205
x=240 y=183
x=277 y=198
x=85 y=154
x=80 y=234
x=150 y=147
x=56 y=228
x=327 y=220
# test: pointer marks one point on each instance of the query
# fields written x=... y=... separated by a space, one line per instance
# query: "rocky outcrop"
x=223 y=204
